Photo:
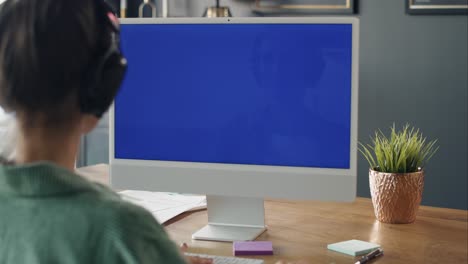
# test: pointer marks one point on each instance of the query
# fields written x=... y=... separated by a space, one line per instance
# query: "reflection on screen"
x=264 y=94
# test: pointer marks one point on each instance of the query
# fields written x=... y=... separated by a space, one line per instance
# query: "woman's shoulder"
x=132 y=230
x=125 y=217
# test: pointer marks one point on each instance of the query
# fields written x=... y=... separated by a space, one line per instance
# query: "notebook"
x=240 y=248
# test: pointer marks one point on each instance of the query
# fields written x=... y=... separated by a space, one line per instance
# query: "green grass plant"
x=404 y=151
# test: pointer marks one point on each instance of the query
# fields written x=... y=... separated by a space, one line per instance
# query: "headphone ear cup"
x=112 y=76
x=103 y=85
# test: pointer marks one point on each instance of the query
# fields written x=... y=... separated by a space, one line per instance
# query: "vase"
x=396 y=196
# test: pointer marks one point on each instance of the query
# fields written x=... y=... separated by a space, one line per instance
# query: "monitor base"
x=233 y=219
x=228 y=233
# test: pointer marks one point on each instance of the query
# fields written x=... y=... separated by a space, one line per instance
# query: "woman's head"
x=51 y=54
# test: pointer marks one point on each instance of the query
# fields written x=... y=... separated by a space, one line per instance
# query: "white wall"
x=7 y=135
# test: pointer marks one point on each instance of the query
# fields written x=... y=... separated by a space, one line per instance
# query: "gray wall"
x=412 y=69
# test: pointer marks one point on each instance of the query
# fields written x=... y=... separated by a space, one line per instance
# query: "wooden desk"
x=302 y=230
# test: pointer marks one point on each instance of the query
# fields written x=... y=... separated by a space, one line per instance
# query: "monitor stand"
x=233 y=219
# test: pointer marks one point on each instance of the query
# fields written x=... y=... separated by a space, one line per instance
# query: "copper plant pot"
x=396 y=196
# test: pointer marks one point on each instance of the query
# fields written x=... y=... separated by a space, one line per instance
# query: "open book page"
x=164 y=206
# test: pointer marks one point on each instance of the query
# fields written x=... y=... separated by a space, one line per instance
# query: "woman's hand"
x=194 y=260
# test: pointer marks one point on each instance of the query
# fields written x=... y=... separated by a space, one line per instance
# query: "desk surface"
x=302 y=230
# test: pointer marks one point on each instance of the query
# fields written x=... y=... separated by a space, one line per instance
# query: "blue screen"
x=263 y=94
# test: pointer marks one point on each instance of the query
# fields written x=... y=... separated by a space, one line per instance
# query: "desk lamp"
x=217 y=11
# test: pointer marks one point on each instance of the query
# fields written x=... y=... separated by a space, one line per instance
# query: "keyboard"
x=226 y=260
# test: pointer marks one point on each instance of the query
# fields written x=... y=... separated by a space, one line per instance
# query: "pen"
x=374 y=254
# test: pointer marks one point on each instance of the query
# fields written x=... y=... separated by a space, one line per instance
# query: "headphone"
x=103 y=77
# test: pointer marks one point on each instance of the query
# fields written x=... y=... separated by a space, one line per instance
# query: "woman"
x=60 y=67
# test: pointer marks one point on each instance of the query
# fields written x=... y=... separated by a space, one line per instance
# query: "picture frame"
x=437 y=7
x=301 y=7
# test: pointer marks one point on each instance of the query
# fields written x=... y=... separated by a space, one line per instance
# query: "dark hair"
x=46 y=47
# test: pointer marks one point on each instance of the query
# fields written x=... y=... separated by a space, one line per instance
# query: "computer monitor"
x=239 y=109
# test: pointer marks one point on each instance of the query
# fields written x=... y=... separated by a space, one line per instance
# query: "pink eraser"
x=252 y=248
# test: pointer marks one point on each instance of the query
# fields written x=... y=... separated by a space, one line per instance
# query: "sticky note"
x=252 y=248
x=353 y=247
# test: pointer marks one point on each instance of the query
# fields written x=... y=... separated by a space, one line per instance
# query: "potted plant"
x=396 y=174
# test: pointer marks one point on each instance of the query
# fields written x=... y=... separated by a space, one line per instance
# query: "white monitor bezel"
x=244 y=180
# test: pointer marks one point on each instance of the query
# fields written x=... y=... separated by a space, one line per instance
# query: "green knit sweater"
x=49 y=215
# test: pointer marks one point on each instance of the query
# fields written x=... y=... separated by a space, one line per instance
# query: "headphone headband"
x=104 y=77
